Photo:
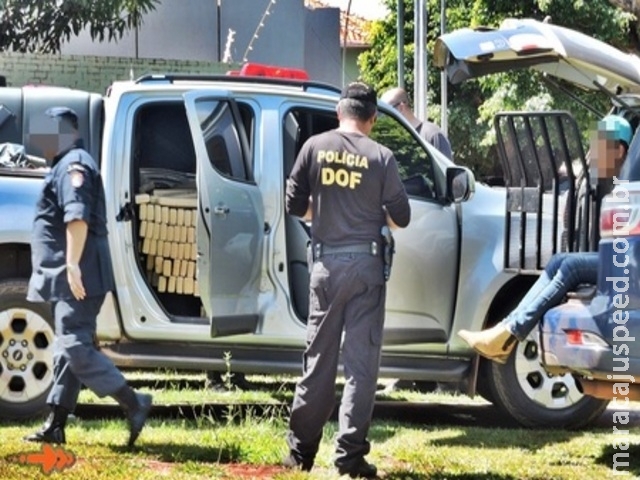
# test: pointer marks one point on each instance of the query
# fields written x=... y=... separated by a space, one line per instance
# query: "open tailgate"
x=526 y=43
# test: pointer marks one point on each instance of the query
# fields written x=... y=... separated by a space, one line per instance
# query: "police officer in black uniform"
x=72 y=270
x=349 y=187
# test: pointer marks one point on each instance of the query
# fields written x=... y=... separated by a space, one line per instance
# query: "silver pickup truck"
x=207 y=262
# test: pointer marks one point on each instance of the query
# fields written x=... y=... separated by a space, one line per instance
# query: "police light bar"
x=271 y=71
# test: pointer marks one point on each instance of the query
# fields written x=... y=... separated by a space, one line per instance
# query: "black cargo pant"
x=347 y=293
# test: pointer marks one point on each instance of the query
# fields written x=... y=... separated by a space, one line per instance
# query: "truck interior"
x=163 y=157
x=300 y=124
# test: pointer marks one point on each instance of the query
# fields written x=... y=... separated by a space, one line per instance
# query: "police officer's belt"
x=320 y=250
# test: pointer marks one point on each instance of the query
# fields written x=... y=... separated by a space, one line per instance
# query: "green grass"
x=205 y=449
x=253 y=446
x=168 y=387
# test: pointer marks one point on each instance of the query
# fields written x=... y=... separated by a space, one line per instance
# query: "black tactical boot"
x=137 y=407
x=358 y=469
x=296 y=462
x=53 y=429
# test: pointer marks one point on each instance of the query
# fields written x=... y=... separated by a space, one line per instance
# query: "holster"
x=388 y=249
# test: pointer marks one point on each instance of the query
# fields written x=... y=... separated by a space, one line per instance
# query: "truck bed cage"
x=195 y=77
x=549 y=201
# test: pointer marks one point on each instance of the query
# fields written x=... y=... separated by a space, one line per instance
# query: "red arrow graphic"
x=50 y=459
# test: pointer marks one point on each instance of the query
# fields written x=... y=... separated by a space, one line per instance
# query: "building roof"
x=358 y=27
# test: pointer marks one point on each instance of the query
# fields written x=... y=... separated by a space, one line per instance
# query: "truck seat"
x=297 y=235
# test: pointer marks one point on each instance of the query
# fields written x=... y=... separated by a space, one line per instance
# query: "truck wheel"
x=26 y=352
x=532 y=397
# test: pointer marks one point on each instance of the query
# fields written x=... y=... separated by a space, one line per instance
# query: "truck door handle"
x=126 y=213
x=220 y=210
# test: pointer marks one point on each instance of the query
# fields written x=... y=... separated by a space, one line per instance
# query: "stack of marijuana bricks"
x=168 y=239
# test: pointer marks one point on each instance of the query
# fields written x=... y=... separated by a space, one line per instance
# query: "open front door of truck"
x=230 y=222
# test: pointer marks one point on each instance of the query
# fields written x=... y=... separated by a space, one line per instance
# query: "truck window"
x=300 y=124
x=222 y=139
x=414 y=163
x=163 y=139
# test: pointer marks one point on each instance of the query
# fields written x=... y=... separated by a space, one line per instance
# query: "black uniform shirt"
x=433 y=134
x=72 y=190
x=350 y=177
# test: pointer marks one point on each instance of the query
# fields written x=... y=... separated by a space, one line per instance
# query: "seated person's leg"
x=563 y=273
x=549 y=290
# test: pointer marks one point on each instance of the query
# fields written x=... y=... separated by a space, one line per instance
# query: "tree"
x=42 y=25
x=472 y=105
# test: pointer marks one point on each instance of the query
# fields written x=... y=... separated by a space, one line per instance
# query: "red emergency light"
x=271 y=71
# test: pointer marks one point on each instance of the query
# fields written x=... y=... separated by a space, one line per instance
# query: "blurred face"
x=48 y=136
x=402 y=108
x=607 y=153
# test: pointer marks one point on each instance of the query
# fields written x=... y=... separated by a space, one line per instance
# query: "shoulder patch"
x=76 y=166
x=76 y=173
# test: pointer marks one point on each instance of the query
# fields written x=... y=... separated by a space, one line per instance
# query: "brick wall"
x=91 y=73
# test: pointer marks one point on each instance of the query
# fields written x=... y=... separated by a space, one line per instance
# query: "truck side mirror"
x=461 y=184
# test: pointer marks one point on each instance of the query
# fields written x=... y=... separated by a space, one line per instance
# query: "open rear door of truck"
x=230 y=223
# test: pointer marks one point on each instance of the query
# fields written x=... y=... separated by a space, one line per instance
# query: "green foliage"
x=411 y=160
x=471 y=105
x=42 y=25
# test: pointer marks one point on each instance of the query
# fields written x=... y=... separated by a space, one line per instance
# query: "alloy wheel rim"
x=26 y=355
x=553 y=392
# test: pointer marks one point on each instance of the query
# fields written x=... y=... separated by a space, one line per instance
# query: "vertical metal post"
x=400 y=44
x=344 y=44
x=420 y=61
x=219 y=28
x=137 y=53
x=444 y=117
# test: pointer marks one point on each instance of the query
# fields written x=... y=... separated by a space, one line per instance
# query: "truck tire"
x=534 y=398
x=26 y=352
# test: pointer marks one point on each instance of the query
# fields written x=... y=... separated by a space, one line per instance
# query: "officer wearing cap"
x=72 y=270
x=349 y=187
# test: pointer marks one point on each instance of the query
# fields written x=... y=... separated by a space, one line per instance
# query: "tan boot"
x=494 y=343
